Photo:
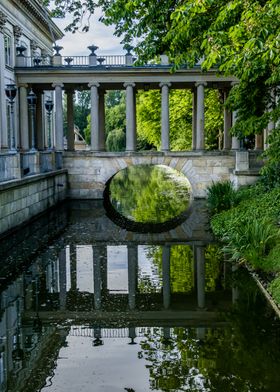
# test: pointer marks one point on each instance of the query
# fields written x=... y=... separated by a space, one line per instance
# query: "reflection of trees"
x=182 y=266
x=149 y=193
x=243 y=357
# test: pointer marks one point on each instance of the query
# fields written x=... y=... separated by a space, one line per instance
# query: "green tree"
x=148 y=118
x=238 y=37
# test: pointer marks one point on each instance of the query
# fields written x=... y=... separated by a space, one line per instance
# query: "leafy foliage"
x=274 y=289
x=221 y=196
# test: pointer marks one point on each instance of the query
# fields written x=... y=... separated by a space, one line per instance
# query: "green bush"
x=265 y=206
x=271 y=263
x=274 y=289
x=221 y=196
x=252 y=241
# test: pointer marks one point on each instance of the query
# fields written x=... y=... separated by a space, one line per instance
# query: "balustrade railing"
x=73 y=61
x=20 y=165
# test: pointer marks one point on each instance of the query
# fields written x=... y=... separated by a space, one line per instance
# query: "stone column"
x=227 y=125
x=39 y=122
x=132 y=255
x=97 y=277
x=3 y=118
x=165 y=143
x=101 y=110
x=200 y=263
x=259 y=142
x=166 y=290
x=62 y=279
x=94 y=117
x=235 y=142
x=59 y=139
x=200 y=116
x=23 y=117
x=194 y=116
x=130 y=117
x=70 y=120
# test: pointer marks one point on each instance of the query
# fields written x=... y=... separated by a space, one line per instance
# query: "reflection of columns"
x=59 y=141
x=200 y=264
x=73 y=267
x=130 y=117
x=200 y=116
x=235 y=142
x=165 y=144
x=70 y=120
x=166 y=276
x=94 y=117
x=39 y=122
x=62 y=279
x=23 y=116
x=132 y=334
x=194 y=116
x=101 y=110
x=132 y=255
x=3 y=118
x=97 y=276
x=227 y=125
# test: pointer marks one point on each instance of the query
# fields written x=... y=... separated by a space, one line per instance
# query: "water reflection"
x=149 y=194
x=125 y=311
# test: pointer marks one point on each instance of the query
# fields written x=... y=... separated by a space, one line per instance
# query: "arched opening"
x=148 y=198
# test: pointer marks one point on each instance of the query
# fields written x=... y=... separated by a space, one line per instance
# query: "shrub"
x=252 y=241
x=220 y=196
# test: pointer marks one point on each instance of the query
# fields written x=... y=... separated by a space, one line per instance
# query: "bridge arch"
x=88 y=173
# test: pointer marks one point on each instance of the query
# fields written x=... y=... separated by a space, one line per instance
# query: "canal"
x=131 y=294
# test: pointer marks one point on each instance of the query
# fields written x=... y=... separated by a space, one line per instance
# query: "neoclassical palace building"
x=25 y=30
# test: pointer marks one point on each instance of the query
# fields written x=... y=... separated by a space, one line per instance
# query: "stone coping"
x=108 y=154
x=27 y=180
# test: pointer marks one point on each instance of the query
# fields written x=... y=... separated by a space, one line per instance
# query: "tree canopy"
x=239 y=37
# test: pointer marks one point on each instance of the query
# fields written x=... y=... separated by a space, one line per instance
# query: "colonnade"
x=97 y=123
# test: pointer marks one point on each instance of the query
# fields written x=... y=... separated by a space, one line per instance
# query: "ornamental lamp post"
x=32 y=100
x=49 y=108
x=11 y=92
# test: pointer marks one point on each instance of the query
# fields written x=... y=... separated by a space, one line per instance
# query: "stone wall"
x=22 y=199
x=88 y=172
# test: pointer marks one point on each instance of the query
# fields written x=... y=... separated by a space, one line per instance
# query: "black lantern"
x=11 y=92
x=49 y=108
x=32 y=100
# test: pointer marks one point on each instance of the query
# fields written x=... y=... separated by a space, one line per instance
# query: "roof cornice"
x=42 y=15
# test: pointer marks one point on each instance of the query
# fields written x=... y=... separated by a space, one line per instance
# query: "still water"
x=87 y=305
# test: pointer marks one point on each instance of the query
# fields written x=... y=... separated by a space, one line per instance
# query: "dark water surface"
x=89 y=306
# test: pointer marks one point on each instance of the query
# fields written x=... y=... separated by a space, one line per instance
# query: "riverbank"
x=247 y=223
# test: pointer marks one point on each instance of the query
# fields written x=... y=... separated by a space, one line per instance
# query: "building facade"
x=26 y=29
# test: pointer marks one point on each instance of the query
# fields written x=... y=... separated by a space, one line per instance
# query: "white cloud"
x=98 y=34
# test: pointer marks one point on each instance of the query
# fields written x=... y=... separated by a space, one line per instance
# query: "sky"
x=98 y=34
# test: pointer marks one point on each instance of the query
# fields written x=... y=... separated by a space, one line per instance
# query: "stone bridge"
x=88 y=172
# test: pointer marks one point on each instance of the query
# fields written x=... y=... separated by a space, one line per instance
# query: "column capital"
x=58 y=84
x=93 y=84
x=162 y=84
x=201 y=83
x=3 y=20
x=127 y=84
